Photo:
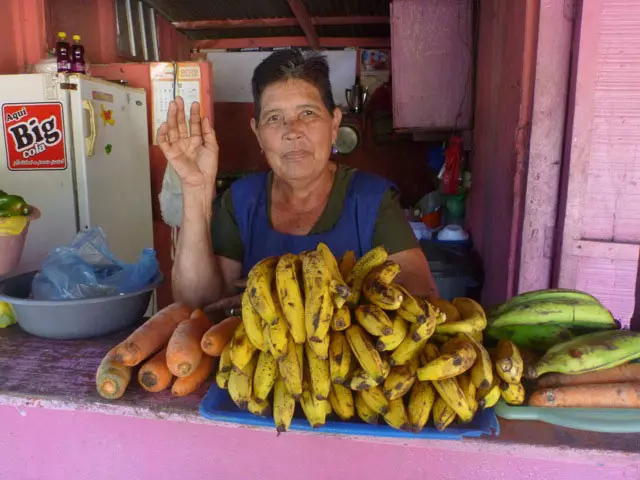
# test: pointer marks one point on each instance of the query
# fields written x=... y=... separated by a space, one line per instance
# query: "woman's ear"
x=337 y=119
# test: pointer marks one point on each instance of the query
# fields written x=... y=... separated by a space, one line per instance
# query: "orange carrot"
x=112 y=378
x=152 y=335
x=186 y=385
x=154 y=375
x=623 y=373
x=217 y=337
x=183 y=351
x=608 y=395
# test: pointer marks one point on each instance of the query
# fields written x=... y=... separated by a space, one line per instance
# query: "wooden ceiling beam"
x=275 y=42
x=279 y=22
x=300 y=12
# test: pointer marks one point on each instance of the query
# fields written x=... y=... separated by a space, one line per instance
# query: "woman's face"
x=295 y=130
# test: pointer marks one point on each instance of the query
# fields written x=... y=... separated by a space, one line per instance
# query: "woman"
x=305 y=199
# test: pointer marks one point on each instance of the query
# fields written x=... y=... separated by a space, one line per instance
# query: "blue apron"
x=353 y=231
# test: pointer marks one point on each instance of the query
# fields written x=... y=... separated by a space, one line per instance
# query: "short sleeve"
x=392 y=228
x=225 y=235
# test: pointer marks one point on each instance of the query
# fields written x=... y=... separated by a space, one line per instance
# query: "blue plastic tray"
x=217 y=405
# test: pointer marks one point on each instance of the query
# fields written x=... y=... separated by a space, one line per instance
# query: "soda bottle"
x=63 y=53
x=77 y=56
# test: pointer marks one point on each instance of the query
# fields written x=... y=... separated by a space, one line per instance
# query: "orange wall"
x=22 y=23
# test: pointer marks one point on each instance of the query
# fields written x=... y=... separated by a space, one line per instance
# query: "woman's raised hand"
x=193 y=152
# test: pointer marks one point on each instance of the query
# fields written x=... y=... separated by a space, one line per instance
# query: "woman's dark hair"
x=286 y=64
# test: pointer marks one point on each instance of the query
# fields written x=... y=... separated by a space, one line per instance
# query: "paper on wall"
x=233 y=72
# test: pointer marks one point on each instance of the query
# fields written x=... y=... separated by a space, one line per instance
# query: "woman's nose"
x=293 y=130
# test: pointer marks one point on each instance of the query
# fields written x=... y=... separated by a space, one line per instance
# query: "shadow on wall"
x=403 y=162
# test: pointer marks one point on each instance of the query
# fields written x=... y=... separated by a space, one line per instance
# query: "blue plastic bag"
x=87 y=269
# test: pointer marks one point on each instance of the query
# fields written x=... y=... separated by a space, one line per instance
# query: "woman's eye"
x=273 y=119
x=308 y=113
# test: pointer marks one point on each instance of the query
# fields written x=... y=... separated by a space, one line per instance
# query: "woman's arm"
x=415 y=274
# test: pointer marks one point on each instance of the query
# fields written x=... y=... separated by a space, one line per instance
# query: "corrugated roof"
x=191 y=10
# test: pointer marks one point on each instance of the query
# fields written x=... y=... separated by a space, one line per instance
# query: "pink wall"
x=493 y=163
x=600 y=247
x=97 y=446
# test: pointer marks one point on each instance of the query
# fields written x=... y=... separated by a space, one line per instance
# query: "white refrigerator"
x=77 y=148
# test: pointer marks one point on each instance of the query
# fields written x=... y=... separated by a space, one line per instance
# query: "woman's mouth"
x=296 y=154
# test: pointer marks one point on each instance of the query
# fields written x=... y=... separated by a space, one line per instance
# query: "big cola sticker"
x=34 y=136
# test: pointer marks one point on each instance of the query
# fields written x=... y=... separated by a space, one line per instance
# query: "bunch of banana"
x=540 y=319
x=342 y=338
x=509 y=368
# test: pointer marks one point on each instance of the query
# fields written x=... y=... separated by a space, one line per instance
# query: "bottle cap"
x=76 y=38
x=62 y=35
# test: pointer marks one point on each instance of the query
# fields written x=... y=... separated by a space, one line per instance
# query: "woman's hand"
x=193 y=156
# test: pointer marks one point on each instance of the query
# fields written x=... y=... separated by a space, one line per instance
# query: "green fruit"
x=566 y=313
x=539 y=295
x=533 y=337
x=589 y=353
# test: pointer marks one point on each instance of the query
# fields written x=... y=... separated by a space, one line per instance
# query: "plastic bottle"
x=63 y=53
x=78 y=64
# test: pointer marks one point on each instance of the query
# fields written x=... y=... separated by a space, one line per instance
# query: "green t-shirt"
x=392 y=229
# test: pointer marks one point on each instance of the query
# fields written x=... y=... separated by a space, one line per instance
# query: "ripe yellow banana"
x=429 y=353
x=284 y=406
x=489 y=397
x=448 y=309
x=385 y=273
x=253 y=323
x=443 y=414
x=264 y=376
x=241 y=383
x=509 y=363
x=259 y=407
x=473 y=318
x=320 y=381
x=224 y=367
x=412 y=309
x=400 y=379
x=365 y=352
x=450 y=390
x=366 y=414
x=339 y=358
x=316 y=286
x=361 y=380
x=384 y=296
x=341 y=318
x=341 y=400
x=315 y=410
x=374 y=320
x=290 y=295
x=376 y=400
x=470 y=391
x=413 y=343
x=400 y=328
x=321 y=348
x=259 y=282
x=482 y=371
x=512 y=393
x=339 y=286
x=423 y=395
x=449 y=365
x=291 y=370
x=396 y=417
x=241 y=348
x=347 y=263
x=372 y=259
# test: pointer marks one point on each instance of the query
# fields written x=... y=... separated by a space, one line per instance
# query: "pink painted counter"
x=54 y=426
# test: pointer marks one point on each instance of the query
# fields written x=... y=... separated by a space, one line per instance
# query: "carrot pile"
x=175 y=348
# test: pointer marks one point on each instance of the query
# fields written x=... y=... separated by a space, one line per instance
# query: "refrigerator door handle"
x=90 y=139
